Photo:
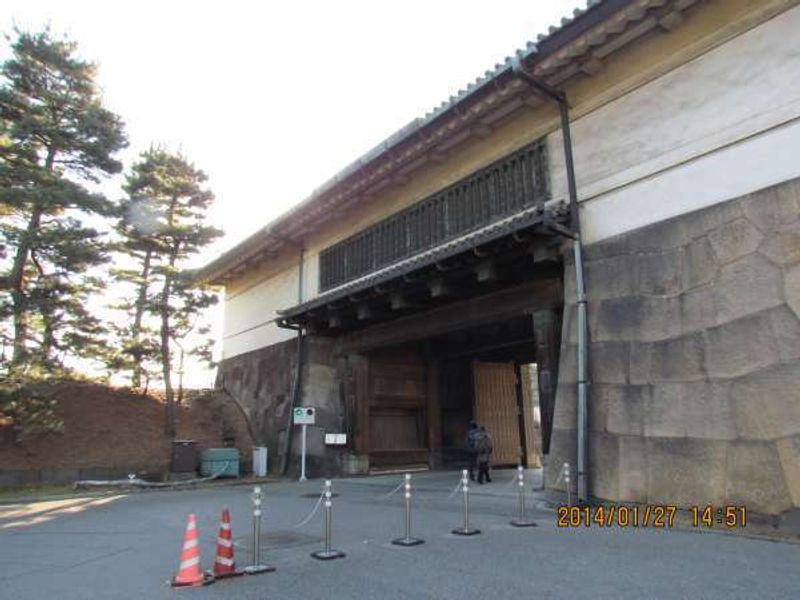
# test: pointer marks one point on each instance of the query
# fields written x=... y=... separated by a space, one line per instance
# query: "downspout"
x=295 y=394
x=580 y=291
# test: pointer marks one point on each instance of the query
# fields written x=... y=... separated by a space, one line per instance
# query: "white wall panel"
x=739 y=90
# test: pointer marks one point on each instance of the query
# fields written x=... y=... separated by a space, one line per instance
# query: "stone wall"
x=694 y=359
x=262 y=382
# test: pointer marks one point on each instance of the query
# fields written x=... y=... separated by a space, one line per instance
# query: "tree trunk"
x=141 y=301
x=18 y=300
x=17 y=281
x=166 y=362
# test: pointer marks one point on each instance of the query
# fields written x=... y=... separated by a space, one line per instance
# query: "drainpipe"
x=295 y=394
x=580 y=291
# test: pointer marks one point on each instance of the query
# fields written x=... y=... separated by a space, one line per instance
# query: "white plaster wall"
x=715 y=128
x=250 y=314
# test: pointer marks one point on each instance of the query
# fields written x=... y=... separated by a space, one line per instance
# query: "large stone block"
x=755 y=478
x=660 y=237
x=686 y=471
x=699 y=263
x=609 y=362
x=700 y=222
x=786 y=329
x=567 y=364
x=791 y=287
x=624 y=407
x=766 y=405
x=563 y=449
x=708 y=412
x=645 y=318
x=789 y=455
x=632 y=469
x=664 y=414
x=747 y=286
x=741 y=346
x=770 y=208
x=783 y=247
x=698 y=311
x=660 y=273
x=734 y=240
x=604 y=465
x=611 y=277
x=565 y=409
x=682 y=359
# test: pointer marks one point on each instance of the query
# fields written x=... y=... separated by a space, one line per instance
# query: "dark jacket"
x=483 y=446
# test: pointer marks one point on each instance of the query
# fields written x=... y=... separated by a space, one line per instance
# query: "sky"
x=271 y=99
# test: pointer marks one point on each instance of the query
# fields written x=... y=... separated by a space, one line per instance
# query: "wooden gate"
x=497 y=409
x=397 y=416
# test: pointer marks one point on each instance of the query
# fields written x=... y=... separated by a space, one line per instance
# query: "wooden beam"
x=439 y=288
x=482 y=131
x=671 y=21
x=509 y=302
x=400 y=301
x=486 y=270
x=437 y=157
x=591 y=65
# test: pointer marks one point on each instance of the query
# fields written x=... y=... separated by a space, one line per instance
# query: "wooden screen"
x=496 y=408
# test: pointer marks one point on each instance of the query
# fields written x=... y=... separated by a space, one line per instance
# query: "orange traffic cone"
x=224 y=565
x=189 y=572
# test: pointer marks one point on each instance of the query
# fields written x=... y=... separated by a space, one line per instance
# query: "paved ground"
x=127 y=547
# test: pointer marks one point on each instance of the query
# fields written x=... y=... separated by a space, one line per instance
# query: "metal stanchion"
x=466 y=530
x=521 y=521
x=257 y=568
x=328 y=553
x=407 y=540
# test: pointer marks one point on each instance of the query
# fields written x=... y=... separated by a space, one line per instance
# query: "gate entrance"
x=497 y=408
x=506 y=400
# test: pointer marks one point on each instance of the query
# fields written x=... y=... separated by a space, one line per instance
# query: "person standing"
x=483 y=446
x=471 y=448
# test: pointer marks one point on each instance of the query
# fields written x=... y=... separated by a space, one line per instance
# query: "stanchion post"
x=328 y=553
x=257 y=568
x=521 y=521
x=407 y=540
x=466 y=529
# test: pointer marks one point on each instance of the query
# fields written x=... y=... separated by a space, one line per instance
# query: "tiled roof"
x=250 y=245
x=491 y=232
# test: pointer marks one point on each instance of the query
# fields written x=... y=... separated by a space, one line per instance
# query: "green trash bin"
x=224 y=461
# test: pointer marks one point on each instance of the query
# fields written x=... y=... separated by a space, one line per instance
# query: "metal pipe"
x=295 y=396
x=580 y=291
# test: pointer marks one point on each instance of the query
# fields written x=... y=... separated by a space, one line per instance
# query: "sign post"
x=304 y=416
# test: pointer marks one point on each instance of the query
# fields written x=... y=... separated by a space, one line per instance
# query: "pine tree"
x=55 y=138
x=171 y=204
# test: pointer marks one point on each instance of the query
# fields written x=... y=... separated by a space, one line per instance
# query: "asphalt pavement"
x=127 y=546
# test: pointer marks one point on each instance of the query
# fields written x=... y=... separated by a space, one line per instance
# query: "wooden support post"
x=547 y=329
x=434 y=412
x=359 y=368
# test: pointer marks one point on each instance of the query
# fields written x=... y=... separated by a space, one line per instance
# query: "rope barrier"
x=455 y=491
x=313 y=511
x=392 y=493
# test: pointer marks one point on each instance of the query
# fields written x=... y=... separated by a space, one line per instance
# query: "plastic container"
x=260 y=461
x=224 y=461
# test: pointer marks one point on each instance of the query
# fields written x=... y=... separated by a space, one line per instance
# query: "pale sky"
x=271 y=99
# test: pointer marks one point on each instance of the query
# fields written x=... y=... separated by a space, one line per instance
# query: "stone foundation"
x=694 y=359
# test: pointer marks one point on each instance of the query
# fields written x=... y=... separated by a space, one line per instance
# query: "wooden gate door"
x=397 y=419
x=496 y=408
